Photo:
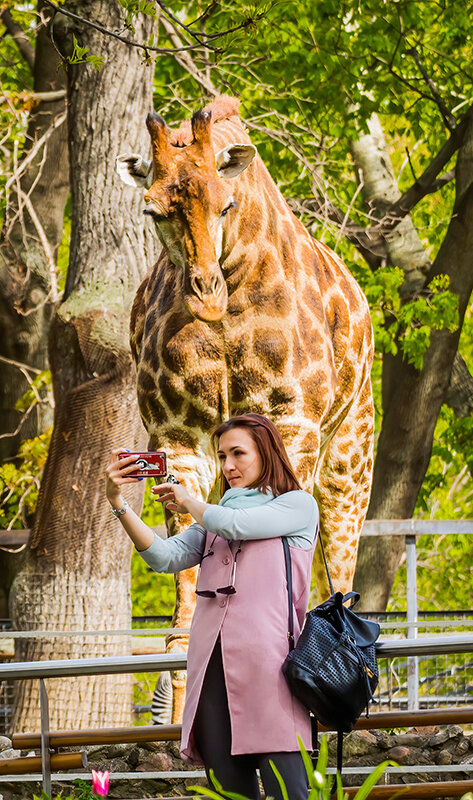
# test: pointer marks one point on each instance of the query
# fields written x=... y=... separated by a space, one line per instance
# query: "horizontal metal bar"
x=16 y=766
x=408 y=770
x=113 y=665
x=68 y=777
x=415 y=791
x=32 y=634
x=428 y=623
x=428 y=645
x=130 y=735
x=192 y=774
x=460 y=622
x=417 y=527
x=155 y=733
x=14 y=538
x=425 y=645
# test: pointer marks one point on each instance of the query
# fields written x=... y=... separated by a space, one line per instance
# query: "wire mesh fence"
x=444 y=680
x=6 y=687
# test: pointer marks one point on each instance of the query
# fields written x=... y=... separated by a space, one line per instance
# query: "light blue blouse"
x=293 y=514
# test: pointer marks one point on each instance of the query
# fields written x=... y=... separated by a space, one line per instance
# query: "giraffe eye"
x=227 y=209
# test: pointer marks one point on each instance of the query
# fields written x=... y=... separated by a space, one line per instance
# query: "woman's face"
x=239 y=458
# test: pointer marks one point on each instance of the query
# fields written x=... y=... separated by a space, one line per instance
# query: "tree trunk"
x=412 y=399
x=78 y=566
x=30 y=238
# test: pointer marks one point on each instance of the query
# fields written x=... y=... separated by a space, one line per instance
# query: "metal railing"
x=460 y=643
x=411 y=529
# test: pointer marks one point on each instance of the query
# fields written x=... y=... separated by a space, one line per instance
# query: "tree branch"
x=185 y=59
x=202 y=38
x=459 y=395
x=19 y=37
x=368 y=241
x=428 y=181
x=447 y=115
x=147 y=47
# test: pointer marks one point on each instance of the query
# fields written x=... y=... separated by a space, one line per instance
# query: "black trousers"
x=212 y=735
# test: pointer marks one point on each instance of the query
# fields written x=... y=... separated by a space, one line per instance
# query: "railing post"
x=45 y=753
x=411 y=588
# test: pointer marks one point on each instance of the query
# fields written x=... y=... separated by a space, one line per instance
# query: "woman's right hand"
x=118 y=474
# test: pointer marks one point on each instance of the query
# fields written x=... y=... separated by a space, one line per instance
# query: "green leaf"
x=372 y=780
x=282 y=785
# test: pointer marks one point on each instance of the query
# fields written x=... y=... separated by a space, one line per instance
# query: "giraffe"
x=246 y=311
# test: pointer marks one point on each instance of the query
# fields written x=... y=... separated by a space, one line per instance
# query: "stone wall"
x=450 y=745
x=418 y=746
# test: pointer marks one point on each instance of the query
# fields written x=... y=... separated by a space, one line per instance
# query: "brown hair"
x=277 y=472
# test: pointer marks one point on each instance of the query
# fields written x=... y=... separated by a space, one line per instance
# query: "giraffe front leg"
x=342 y=489
x=178 y=642
x=197 y=475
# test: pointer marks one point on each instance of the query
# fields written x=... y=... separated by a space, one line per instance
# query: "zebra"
x=161 y=706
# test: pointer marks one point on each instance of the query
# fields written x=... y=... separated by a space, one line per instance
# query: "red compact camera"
x=148 y=465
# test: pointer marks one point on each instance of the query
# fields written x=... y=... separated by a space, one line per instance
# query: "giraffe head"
x=191 y=200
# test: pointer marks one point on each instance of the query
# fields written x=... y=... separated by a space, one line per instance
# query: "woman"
x=239 y=713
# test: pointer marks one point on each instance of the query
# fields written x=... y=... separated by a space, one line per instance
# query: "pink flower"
x=100 y=781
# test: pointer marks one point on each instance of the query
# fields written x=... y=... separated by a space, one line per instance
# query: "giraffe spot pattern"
x=178 y=436
x=275 y=302
x=310 y=442
x=282 y=399
x=203 y=386
x=315 y=394
x=272 y=348
x=299 y=354
x=173 y=398
x=250 y=224
x=247 y=383
x=151 y=408
x=151 y=355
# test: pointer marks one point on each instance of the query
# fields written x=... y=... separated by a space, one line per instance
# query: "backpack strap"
x=317 y=533
x=290 y=622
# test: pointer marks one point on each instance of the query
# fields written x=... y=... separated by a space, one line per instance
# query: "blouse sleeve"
x=293 y=514
x=178 y=552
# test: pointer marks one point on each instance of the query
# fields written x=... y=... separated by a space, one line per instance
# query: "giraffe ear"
x=233 y=159
x=133 y=169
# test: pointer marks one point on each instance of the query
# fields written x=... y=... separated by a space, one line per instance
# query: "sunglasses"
x=227 y=590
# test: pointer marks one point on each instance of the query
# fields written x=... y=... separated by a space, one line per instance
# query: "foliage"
x=20 y=481
x=81 y=791
x=16 y=81
x=408 y=325
x=320 y=782
x=444 y=576
x=79 y=56
x=360 y=59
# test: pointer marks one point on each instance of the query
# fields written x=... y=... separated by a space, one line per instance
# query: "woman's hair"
x=276 y=472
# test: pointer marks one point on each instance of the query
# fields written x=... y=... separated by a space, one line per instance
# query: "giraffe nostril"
x=212 y=286
x=198 y=286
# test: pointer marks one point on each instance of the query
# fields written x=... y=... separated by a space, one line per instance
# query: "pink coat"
x=252 y=623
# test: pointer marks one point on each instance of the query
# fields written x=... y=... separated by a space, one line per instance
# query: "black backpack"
x=332 y=670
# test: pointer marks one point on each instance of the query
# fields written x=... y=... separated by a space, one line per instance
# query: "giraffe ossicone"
x=246 y=311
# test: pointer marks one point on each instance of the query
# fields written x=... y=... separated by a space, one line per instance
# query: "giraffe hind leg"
x=342 y=491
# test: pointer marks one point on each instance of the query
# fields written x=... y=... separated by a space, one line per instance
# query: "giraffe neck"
x=263 y=226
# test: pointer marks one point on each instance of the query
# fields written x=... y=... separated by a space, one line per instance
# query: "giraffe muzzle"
x=206 y=296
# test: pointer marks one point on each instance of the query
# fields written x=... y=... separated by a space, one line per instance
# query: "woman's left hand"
x=174 y=495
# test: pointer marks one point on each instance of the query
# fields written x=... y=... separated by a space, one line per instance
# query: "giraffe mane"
x=223 y=107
